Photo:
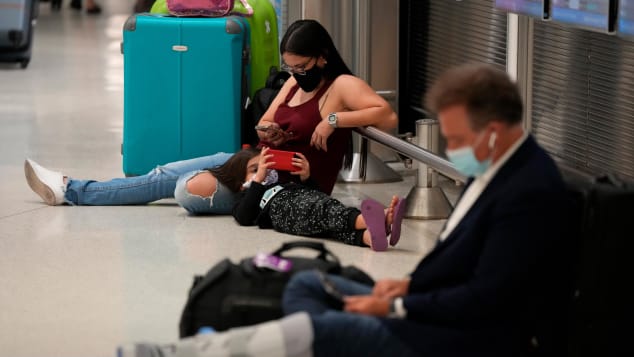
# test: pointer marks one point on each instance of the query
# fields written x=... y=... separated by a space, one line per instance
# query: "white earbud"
x=492 y=139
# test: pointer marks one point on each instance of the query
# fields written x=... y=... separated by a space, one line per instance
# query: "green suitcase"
x=265 y=48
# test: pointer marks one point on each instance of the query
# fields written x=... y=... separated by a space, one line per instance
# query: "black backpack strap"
x=324 y=253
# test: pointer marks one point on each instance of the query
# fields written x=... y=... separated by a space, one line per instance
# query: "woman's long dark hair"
x=233 y=172
x=309 y=38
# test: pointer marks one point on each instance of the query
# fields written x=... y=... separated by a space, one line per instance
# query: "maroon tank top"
x=301 y=121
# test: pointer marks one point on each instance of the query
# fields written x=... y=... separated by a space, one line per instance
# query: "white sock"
x=298 y=335
x=265 y=339
x=291 y=336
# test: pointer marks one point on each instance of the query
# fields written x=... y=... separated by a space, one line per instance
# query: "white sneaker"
x=46 y=183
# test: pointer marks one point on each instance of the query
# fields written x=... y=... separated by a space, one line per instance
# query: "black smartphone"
x=329 y=286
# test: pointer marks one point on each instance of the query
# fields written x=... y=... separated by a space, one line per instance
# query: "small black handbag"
x=232 y=295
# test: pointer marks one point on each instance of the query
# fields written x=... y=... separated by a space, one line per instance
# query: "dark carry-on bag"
x=602 y=269
x=232 y=295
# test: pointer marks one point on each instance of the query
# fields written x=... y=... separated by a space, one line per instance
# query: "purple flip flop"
x=374 y=215
x=397 y=219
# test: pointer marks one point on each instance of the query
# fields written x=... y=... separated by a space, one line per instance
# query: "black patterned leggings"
x=308 y=212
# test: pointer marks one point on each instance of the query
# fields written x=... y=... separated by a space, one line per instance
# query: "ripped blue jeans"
x=165 y=181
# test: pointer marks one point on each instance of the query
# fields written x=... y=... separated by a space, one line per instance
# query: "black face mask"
x=309 y=81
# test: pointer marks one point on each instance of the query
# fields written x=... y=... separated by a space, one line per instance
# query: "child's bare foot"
x=377 y=237
x=395 y=218
x=389 y=215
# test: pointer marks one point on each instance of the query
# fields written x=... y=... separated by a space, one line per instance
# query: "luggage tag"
x=273 y=262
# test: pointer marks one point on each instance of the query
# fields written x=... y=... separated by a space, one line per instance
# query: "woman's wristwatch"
x=332 y=120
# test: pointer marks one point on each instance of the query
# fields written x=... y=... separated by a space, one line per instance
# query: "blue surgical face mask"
x=466 y=162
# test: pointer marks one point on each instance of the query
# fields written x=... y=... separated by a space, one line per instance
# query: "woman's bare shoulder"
x=283 y=92
x=344 y=80
x=347 y=83
x=290 y=82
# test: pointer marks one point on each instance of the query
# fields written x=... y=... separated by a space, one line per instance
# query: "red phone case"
x=283 y=160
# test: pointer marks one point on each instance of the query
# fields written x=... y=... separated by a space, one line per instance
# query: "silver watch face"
x=332 y=119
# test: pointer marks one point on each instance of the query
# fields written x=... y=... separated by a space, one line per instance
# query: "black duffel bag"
x=232 y=295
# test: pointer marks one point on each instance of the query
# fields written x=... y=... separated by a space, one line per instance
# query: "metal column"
x=426 y=200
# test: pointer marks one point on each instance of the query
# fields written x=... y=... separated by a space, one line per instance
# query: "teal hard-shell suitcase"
x=185 y=83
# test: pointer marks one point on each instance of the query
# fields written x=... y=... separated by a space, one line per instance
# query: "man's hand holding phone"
x=359 y=304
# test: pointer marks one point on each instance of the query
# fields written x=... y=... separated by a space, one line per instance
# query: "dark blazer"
x=482 y=290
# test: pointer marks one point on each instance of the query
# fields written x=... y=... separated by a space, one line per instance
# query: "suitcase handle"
x=324 y=253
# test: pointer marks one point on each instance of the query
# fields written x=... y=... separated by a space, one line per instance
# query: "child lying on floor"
x=301 y=209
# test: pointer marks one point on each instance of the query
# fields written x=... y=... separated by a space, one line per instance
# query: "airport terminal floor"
x=78 y=281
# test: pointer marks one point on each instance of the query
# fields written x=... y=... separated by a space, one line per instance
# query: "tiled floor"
x=78 y=281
